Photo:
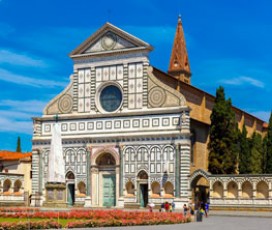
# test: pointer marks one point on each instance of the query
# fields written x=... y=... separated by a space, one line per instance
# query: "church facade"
x=132 y=134
x=125 y=134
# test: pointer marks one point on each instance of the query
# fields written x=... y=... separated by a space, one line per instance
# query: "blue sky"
x=229 y=44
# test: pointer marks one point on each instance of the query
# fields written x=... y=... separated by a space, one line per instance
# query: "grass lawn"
x=63 y=222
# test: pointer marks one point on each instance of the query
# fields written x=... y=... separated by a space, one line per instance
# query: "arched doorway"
x=106 y=165
x=70 y=181
x=143 y=188
x=200 y=189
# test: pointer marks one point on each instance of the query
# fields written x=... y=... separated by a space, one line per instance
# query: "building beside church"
x=131 y=134
x=15 y=178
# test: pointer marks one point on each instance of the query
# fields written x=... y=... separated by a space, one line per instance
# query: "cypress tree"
x=269 y=147
x=244 y=152
x=256 y=150
x=18 y=148
x=223 y=148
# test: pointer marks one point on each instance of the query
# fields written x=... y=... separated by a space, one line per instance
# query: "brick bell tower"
x=179 y=62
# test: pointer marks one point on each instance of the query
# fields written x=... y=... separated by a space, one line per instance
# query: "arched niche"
x=143 y=175
x=232 y=190
x=155 y=188
x=247 y=190
x=218 y=190
x=81 y=186
x=17 y=187
x=7 y=186
x=105 y=159
x=262 y=190
x=130 y=189
x=70 y=175
x=168 y=189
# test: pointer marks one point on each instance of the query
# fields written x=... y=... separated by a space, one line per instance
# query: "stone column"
x=121 y=192
x=88 y=199
x=239 y=190
x=225 y=191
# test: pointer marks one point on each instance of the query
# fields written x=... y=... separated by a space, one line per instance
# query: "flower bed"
x=89 y=218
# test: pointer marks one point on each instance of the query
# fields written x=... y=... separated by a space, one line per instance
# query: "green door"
x=71 y=194
x=143 y=195
x=108 y=190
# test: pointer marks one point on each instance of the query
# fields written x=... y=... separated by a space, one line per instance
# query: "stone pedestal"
x=88 y=202
x=55 y=195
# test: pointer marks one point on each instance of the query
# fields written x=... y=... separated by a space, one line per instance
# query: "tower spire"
x=179 y=62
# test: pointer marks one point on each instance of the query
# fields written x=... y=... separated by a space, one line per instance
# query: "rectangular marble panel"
x=87 y=90
x=87 y=75
x=98 y=74
x=139 y=100
x=81 y=105
x=120 y=72
x=152 y=168
x=171 y=168
x=81 y=76
x=81 y=90
x=131 y=86
x=158 y=168
x=106 y=74
x=87 y=105
x=139 y=70
x=113 y=73
x=139 y=85
x=131 y=101
x=131 y=71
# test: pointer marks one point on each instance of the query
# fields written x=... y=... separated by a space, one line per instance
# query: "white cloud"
x=31 y=106
x=15 y=58
x=8 y=76
x=16 y=116
x=243 y=80
x=9 y=125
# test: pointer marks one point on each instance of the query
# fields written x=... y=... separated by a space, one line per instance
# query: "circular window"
x=110 y=98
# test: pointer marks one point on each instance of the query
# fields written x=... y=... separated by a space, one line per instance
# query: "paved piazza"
x=212 y=223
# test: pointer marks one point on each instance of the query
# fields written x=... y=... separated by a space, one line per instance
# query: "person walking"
x=173 y=206
x=185 y=210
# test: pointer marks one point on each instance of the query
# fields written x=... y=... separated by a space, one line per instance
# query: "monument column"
x=56 y=183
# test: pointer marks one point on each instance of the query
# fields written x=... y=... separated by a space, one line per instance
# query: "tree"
x=244 y=152
x=256 y=154
x=268 y=147
x=18 y=148
x=223 y=147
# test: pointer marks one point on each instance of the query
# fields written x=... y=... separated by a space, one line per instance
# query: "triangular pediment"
x=110 y=39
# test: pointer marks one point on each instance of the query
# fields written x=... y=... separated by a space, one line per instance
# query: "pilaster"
x=88 y=199
x=177 y=172
x=35 y=177
x=184 y=170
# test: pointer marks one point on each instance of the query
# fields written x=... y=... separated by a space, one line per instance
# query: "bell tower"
x=179 y=62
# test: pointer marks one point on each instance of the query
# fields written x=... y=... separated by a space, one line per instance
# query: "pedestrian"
x=185 y=210
x=162 y=209
x=151 y=206
x=173 y=206
x=206 y=209
x=166 y=206
x=170 y=208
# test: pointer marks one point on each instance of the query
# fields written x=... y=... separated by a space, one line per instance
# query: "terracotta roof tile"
x=9 y=155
